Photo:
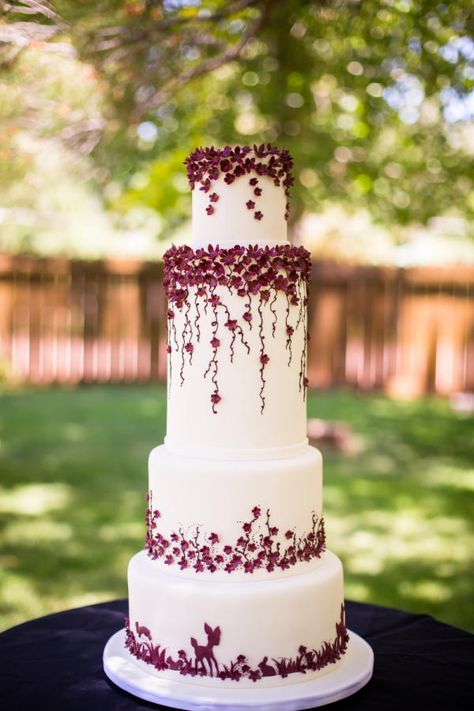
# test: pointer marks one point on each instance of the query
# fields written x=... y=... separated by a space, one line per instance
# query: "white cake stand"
x=353 y=672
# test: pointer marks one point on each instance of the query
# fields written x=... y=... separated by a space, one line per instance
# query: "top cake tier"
x=239 y=195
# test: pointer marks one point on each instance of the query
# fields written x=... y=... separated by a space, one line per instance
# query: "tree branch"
x=205 y=67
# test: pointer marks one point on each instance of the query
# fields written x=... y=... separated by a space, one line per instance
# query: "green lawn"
x=73 y=479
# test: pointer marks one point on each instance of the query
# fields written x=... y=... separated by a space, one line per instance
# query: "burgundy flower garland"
x=205 y=165
x=141 y=646
x=255 y=549
x=251 y=272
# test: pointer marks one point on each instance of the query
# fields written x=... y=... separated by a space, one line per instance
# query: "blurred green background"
x=100 y=102
x=398 y=509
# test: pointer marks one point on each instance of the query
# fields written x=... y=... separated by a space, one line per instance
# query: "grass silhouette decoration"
x=142 y=647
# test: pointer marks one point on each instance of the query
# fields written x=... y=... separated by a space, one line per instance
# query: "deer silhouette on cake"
x=204 y=652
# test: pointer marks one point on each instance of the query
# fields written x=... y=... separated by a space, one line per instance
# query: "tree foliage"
x=372 y=98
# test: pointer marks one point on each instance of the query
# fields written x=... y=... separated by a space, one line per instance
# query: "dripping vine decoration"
x=257 y=274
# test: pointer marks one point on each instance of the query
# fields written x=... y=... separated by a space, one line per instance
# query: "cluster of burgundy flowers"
x=141 y=646
x=257 y=548
x=250 y=271
x=206 y=165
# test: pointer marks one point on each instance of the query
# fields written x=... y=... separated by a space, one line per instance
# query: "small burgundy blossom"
x=290 y=331
x=209 y=210
x=274 y=531
x=257 y=191
x=231 y=324
x=168 y=349
x=215 y=342
x=305 y=382
x=247 y=527
x=229 y=178
x=289 y=534
x=189 y=347
x=227 y=550
x=264 y=359
x=253 y=181
x=169 y=560
x=214 y=538
x=170 y=314
x=214 y=300
x=213 y=197
x=247 y=316
x=256 y=511
x=258 y=215
x=250 y=204
x=215 y=398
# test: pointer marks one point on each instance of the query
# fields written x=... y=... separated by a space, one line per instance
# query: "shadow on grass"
x=73 y=475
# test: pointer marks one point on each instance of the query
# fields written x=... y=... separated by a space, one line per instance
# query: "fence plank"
x=405 y=331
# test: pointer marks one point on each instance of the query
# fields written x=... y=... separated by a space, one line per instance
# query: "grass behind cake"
x=72 y=468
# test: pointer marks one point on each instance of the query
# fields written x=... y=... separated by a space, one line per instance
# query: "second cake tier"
x=247 y=519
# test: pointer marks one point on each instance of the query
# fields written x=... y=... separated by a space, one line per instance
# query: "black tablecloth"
x=55 y=662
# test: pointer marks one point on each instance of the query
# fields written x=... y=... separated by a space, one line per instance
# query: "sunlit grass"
x=73 y=478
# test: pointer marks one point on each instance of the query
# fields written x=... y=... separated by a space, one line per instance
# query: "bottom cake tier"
x=223 y=632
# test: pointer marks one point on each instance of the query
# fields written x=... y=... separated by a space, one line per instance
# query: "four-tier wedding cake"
x=235 y=586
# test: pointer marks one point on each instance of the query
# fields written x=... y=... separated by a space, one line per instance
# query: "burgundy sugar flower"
x=305 y=382
x=231 y=324
x=264 y=359
x=229 y=178
x=256 y=511
x=209 y=210
x=214 y=538
x=215 y=342
x=214 y=300
x=258 y=215
x=289 y=534
x=257 y=192
x=215 y=398
x=250 y=204
x=168 y=349
x=213 y=197
x=247 y=527
x=170 y=314
x=253 y=181
x=189 y=347
x=247 y=316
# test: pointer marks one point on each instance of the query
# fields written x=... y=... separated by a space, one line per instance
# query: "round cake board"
x=350 y=675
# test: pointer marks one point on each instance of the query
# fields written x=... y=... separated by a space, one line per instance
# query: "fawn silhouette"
x=141 y=630
x=205 y=653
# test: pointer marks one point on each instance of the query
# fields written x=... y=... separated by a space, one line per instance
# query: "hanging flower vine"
x=251 y=272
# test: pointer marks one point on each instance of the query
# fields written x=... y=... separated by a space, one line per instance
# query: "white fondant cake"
x=235 y=586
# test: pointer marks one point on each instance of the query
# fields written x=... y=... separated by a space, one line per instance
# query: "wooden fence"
x=402 y=331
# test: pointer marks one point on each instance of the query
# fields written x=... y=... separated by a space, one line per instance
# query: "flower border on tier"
x=256 y=549
x=257 y=275
x=141 y=646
